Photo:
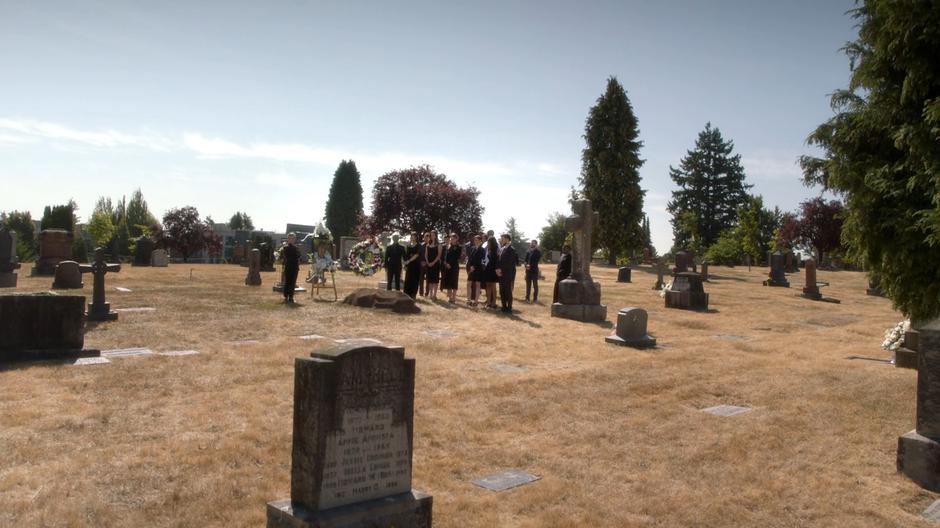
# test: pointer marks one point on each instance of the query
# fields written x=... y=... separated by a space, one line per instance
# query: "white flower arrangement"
x=667 y=286
x=894 y=336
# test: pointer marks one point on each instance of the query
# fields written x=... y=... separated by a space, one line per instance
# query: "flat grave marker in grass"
x=122 y=289
x=136 y=309
x=506 y=368
x=310 y=337
x=99 y=360
x=127 y=352
x=441 y=333
x=508 y=479
x=727 y=410
x=179 y=353
x=932 y=513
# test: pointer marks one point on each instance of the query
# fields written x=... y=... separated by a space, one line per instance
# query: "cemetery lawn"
x=616 y=434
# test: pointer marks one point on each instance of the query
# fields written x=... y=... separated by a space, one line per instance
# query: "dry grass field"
x=616 y=434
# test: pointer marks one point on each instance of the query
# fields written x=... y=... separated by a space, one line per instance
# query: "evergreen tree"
x=241 y=222
x=344 y=204
x=59 y=217
x=610 y=171
x=519 y=241
x=138 y=214
x=881 y=151
x=647 y=237
x=711 y=189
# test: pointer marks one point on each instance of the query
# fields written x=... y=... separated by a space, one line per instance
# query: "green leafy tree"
x=881 y=155
x=21 y=223
x=610 y=171
x=138 y=215
x=552 y=237
x=711 y=188
x=728 y=248
x=748 y=230
x=241 y=222
x=344 y=204
x=100 y=228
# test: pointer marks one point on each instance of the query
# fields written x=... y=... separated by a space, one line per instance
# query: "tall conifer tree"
x=610 y=171
x=711 y=189
x=344 y=205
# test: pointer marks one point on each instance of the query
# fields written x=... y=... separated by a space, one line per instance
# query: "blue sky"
x=251 y=105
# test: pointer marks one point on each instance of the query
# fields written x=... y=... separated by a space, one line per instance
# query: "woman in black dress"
x=490 y=263
x=432 y=257
x=412 y=266
x=451 y=268
x=475 y=269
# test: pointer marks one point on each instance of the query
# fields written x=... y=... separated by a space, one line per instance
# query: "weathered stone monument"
x=55 y=245
x=919 y=450
x=8 y=260
x=631 y=329
x=143 y=251
x=660 y=271
x=42 y=326
x=647 y=256
x=352 y=443
x=239 y=253
x=579 y=297
x=624 y=274
x=67 y=276
x=159 y=258
x=99 y=310
x=687 y=292
x=811 y=289
x=683 y=261
x=254 y=268
x=704 y=272
x=905 y=356
x=778 y=275
x=267 y=257
x=788 y=262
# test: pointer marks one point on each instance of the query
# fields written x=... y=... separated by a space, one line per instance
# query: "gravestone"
x=345 y=246
x=631 y=329
x=811 y=289
x=788 y=262
x=42 y=326
x=239 y=253
x=351 y=455
x=8 y=260
x=687 y=292
x=579 y=297
x=512 y=478
x=67 y=276
x=906 y=355
x=660 y=271
x=704 y=272
x=55 y=245
x=143 y=251
x=254 y=268
x=874 y=287
x=159 y=258
x=747 y=261
x=778 y=275
x=683 y=259
x=647 y=256
x=919 y=450
x=99 y=309
x=623 y=274
x=555 y=256
x=267 y=257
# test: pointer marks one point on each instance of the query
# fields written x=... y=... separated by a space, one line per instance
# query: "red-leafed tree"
x=789 y=233
x=183 y=231
x=419 y=199
x=820 y=225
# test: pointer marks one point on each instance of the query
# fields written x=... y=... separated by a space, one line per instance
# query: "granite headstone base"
x=778 y=283
x=8 y=280
x=101 y=312
x=686 y=300
x=42 y=326
x=406 y=510
x=588 y=313
x=919 y=459
x=905 y=358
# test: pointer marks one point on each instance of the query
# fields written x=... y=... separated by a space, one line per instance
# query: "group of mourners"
x=430 y=265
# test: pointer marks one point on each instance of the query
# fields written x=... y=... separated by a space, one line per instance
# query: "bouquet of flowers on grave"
x=666 y=287
x=895 y=336
x=366 y=258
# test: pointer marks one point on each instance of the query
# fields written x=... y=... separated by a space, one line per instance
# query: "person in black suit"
x=564 y=269
x=508 y=260
x=532 y=258
x=394 y=255
x=413 y=269
x=290 y=255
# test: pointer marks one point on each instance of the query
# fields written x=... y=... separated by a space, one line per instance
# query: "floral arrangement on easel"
x=894 y=336
x=365 y=258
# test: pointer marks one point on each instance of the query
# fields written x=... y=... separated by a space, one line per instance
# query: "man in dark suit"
x=506 y=270
x=532 y=258
x=394 y=255
x=564 y=269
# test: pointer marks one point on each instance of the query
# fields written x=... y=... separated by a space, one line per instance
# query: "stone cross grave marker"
x=579 y=297
x=581 y=224
x=99 y=310
x=8 y=260
x=352 y=441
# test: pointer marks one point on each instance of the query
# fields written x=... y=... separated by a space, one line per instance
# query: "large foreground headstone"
x=352 y=442
x=55 y=245
x=159 y=258
x=8 y=260
x=919 y=450
x=254 y=268
x=631 y=329
x=42 y=326
x=579 y=297
x=778 y=276
x=67 y=276
x=99 y=309
x=687 y=292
